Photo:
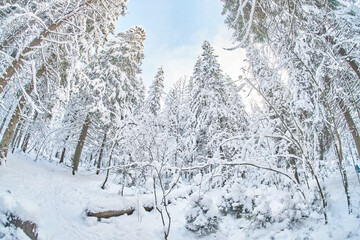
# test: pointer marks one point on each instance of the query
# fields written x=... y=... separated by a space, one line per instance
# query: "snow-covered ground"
x=49 y=195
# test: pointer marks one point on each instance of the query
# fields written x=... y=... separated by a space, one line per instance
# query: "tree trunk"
x=343 y=53
x=63 y=151
x=338 y=146
x=292 y=164
x=108 y=170
x=25 y=142
x=4 y=120
x=26 y=139
x=356 y=138
x=9 y=132
x=80 y=144
x=351 y=61
x=62 y=155
x=100 y=155
x=351 y=124
x=9 y=72
x=19 y=138
x=15 y=137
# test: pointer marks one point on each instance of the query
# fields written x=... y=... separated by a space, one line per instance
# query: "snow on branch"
x=249 y=24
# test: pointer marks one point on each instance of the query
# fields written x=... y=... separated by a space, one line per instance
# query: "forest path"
x=61 y=199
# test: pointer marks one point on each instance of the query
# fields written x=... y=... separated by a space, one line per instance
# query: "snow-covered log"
x=19 y=213
x=29 y=228
x=108 y=214
x=115 y=213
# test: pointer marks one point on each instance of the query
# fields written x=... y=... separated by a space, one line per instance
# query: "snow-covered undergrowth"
x=49 y=195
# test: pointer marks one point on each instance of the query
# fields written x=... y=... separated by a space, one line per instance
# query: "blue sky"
x=175 y=31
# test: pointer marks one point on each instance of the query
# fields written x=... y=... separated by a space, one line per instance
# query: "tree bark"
x=80 y=144
x=101 y=154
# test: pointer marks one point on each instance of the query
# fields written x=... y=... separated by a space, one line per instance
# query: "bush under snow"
x=264 y=204
x=202 y=215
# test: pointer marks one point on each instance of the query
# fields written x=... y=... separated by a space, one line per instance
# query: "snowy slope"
x=49 y=195
x=61 y=199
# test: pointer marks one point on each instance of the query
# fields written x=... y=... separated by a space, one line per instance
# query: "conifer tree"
x=209 y=105
x=153 y=102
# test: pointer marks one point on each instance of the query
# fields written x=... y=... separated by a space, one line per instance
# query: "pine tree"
x=209 y=105
x=153 y=102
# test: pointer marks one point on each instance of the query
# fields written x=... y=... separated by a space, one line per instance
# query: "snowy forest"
x=87 y=152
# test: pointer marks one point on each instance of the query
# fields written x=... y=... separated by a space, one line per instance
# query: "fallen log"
x=115 y=213
x=29 y=228
x=111 y=213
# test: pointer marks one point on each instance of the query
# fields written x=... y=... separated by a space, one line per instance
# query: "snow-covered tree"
x=203 y=215
x=113 y=85
x=38 y=32
x=153 y=101
x=212 y=120
x=176 y=113
x=293 y=33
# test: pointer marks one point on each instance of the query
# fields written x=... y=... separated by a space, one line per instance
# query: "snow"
x=27 y=209
x=49 y=195
x=118 y=203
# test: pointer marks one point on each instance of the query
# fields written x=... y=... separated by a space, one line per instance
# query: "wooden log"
x=111 y=213
x=28 y=227
x=115 y=213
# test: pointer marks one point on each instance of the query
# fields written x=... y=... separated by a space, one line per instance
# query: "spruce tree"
x=153 y=102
